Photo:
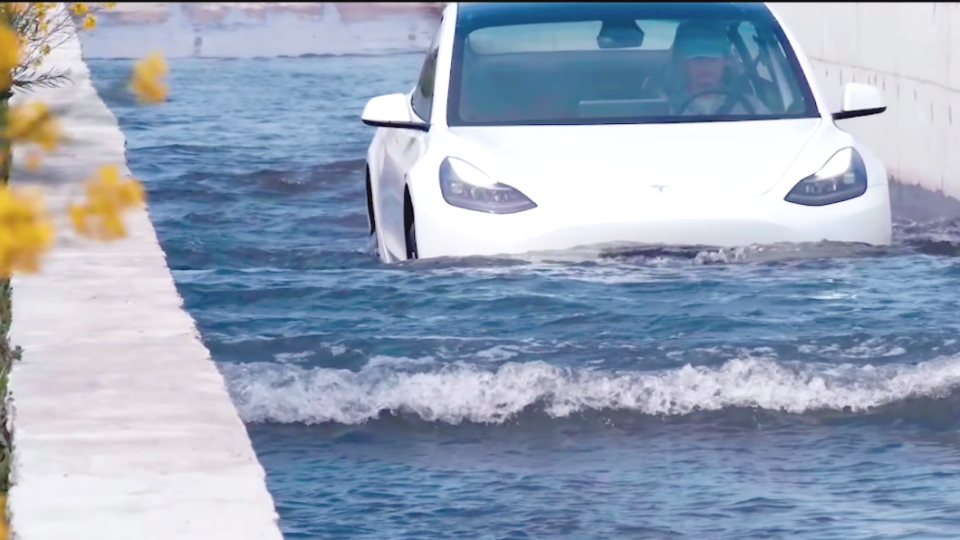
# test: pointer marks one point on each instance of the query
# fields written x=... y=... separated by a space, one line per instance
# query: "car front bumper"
x=447 y=231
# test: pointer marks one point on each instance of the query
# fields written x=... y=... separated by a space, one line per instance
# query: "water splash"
x=455 y=393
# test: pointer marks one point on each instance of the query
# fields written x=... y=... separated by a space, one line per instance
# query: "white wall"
x=905 y=50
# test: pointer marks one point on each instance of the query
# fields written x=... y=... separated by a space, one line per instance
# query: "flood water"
x=790 y=392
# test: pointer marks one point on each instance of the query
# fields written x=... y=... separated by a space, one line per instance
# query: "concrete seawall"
x=122 y=425
x=239 y=30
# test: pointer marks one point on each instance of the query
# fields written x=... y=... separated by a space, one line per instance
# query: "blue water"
x=791 y=392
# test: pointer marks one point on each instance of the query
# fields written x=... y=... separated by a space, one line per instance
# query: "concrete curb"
x=123 y=427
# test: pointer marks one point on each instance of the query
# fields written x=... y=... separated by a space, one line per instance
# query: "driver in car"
x=701 y=80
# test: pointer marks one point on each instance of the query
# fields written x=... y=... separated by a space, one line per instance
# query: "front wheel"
x=412 y=241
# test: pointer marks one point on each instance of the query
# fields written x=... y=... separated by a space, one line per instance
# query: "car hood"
x=717 y=160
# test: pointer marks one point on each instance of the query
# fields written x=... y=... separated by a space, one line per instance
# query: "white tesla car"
x=548 y=126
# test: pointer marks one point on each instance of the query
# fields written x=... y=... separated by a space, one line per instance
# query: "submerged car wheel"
x=412 y=240
x=371 y=216
x=409 y=226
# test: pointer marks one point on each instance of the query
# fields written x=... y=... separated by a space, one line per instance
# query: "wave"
x=460 y=392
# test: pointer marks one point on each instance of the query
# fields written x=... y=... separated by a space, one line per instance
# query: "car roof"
x=479 y=14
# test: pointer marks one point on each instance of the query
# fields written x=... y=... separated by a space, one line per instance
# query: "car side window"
x=423 y=94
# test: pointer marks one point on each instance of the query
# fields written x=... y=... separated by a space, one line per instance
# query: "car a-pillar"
x=409 y=224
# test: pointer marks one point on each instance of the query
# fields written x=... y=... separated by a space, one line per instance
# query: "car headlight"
x=842 y=178
x=465 y=186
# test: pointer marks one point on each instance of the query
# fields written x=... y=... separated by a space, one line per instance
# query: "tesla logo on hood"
x=659 y=188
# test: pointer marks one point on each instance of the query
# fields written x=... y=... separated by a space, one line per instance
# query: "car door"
x=403 y=147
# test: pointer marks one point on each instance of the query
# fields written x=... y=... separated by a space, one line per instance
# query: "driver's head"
x=702 y=52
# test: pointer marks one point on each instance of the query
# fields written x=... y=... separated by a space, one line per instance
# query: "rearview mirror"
x=391 y=111
x=620 y=34
x=860 y=100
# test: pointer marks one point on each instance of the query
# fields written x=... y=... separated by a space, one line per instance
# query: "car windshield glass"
x=623 y=63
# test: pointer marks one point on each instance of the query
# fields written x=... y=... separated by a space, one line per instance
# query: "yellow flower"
x=79 y=8
x=26 y=232
x=32 y=122
x=43 y=8
x=147 y=79
x=109 y=5
x=9 y=54
x=108 y=196
x=89 y=22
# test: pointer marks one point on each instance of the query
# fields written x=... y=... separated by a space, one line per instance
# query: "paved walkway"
x=122 y=425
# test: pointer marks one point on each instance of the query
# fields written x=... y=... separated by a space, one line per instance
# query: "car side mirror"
x=391 y=111
x=860 y=100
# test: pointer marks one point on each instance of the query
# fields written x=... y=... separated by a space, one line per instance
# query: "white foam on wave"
x=453 y=393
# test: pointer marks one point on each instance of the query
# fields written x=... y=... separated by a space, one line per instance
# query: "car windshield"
x=623 y=63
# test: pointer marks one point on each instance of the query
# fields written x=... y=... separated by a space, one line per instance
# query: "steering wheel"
x=731 y=94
